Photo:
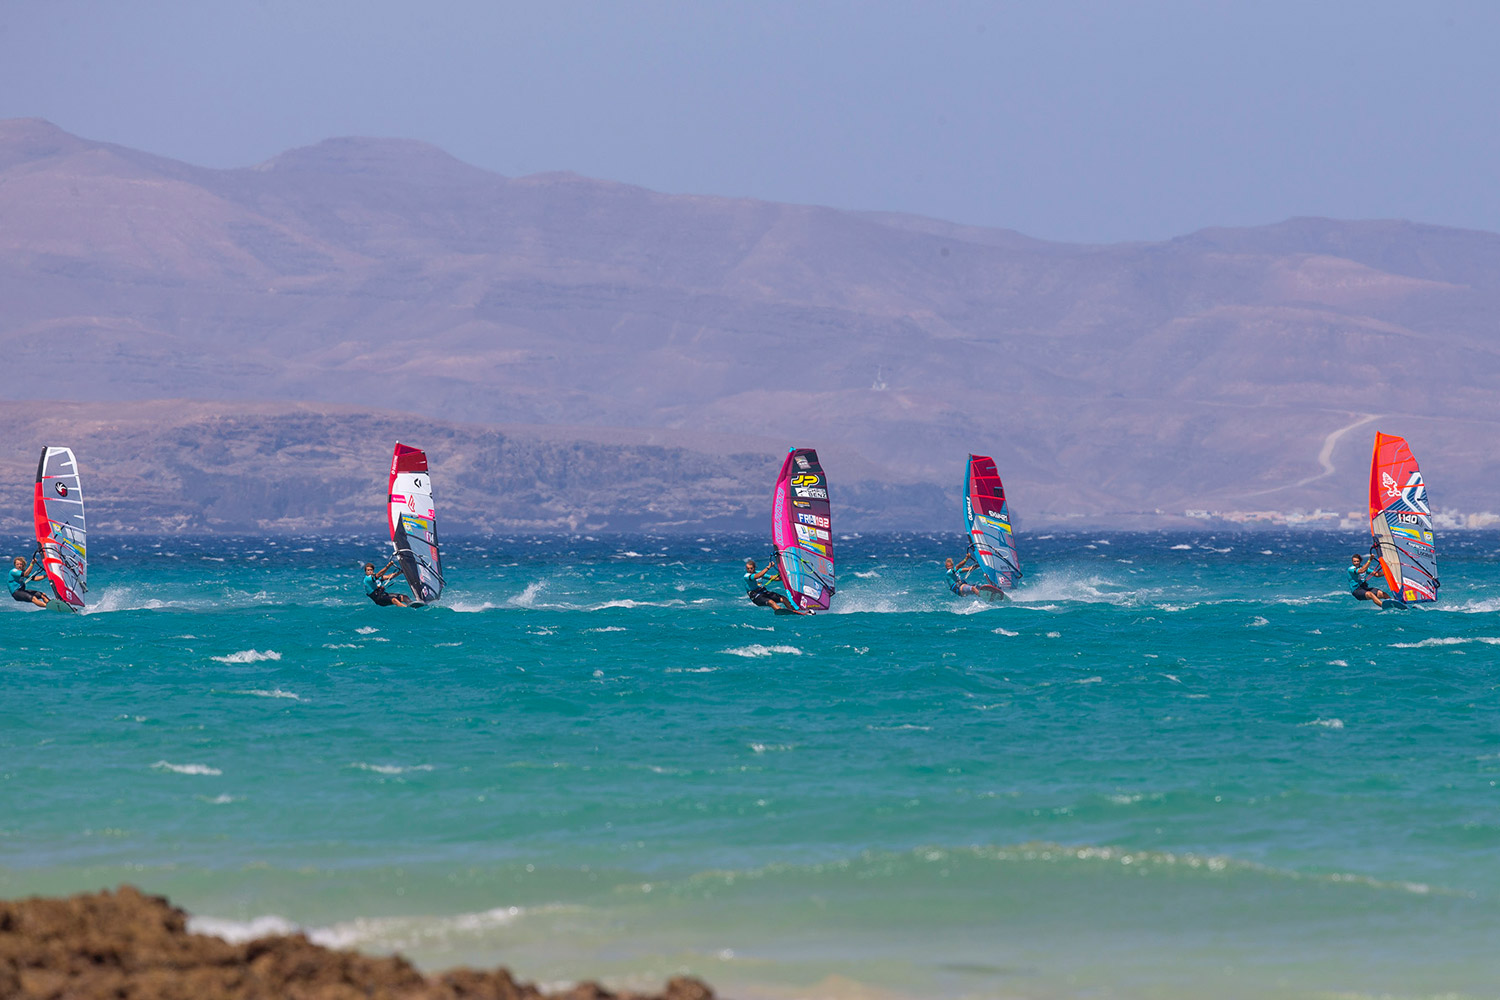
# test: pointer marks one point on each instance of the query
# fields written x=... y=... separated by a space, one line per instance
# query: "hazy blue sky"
x=1076 y=121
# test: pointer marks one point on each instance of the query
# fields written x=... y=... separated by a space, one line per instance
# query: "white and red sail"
x=1401 y=521
x=61 y=536
x=413 y=521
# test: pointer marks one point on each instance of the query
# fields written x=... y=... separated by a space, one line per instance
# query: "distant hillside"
x=170 y=466
x=1239 y=368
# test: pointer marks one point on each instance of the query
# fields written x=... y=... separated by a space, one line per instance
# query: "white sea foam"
x=1182 y=548
x=367 y=630
x=867 y=574
x=1089 y=680
x=628 y=603
x=1257 y=622
x=606 y=628
x=756 y=649
x=122 y=599
x=1072 y=586
x=390 y=768
x=240 y=931
x=904 y=727
x=218 y=800
x=528 y=595
x=1003 y=631
x=1326 y=723
x=248 y=656
x=1450 y=640
x=772 y=747
x=1338 y=663
x=470 y=607
x=1054 y=635
x=273 y=693
x=405 y=933
x=1487 y=605
x=204 y=769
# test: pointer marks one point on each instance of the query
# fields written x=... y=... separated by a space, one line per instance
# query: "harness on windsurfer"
x=19 y=578
x=1359 y=578
x=375 y=585
x=958 y=574
x=760 y=595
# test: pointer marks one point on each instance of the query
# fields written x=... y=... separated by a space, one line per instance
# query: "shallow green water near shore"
x=1175 y=766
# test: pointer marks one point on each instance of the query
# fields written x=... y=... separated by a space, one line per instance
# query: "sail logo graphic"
x=816 y=520
x=61 y=489
x=808 y=480
x=411 y=503
x=810 y=492
x=1415 y=493
x=802 y=462
x=1391 y=489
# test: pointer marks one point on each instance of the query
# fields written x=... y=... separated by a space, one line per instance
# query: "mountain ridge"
x=388 y=275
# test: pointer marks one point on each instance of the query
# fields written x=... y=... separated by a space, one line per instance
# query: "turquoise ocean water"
x=1176 y=766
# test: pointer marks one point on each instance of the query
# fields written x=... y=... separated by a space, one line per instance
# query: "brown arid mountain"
x=579 y=353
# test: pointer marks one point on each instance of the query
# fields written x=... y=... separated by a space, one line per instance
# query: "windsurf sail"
x=802 y=532
x=414 y=524
x=987 y=518
x=60 y=534
x=1401 y=521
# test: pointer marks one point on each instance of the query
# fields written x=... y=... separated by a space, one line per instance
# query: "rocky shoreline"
x=126 y=945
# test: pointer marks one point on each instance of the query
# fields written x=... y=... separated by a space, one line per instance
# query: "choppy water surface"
x=1174 y=766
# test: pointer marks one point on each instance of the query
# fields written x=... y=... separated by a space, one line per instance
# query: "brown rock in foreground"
x=125 y=945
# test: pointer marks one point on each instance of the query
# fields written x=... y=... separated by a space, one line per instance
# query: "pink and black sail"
x=802 y=531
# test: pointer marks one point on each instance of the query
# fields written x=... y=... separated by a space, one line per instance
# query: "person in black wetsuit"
x=19 y=580
x=375 y=587
x=1359 y=581
x=760 y=595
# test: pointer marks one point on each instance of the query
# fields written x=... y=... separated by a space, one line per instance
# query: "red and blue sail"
x=1401 y=521
x=987 y=520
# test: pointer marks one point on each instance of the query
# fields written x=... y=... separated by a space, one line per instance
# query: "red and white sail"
x=413 y=521
x=60 y=534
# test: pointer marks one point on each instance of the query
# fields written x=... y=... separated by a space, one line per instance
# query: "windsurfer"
x=1358 y=580
x=760 y=595
x=375 y=586
x=958 y=575
x=19 y=580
